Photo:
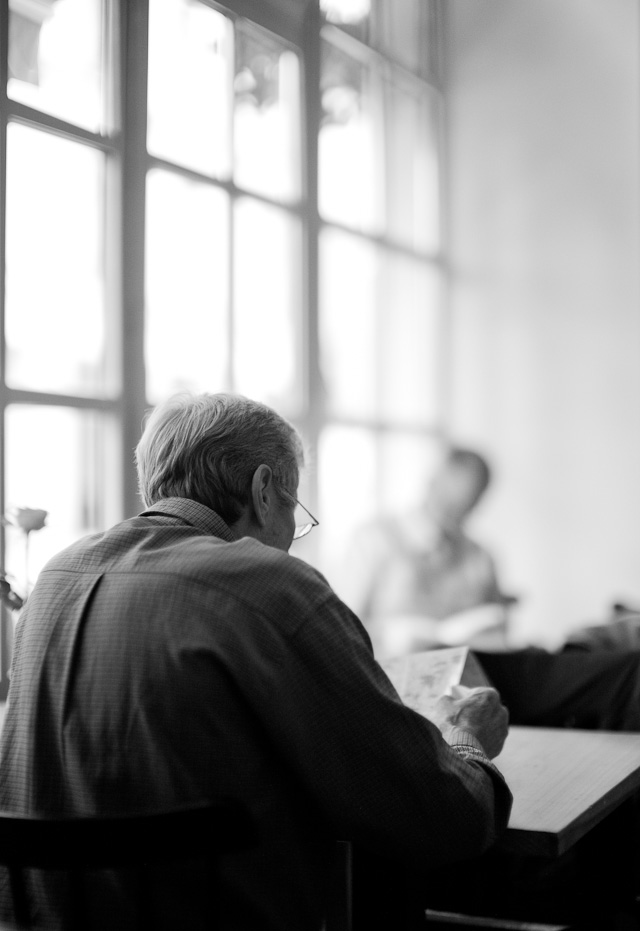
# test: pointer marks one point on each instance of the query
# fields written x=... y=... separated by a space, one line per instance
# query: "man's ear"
x=262 y=492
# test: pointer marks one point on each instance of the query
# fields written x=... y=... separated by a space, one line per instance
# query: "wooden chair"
x=449 y=921
x=349 y=912
x=128 y=842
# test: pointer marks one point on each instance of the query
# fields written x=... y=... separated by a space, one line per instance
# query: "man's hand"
x=478 y=711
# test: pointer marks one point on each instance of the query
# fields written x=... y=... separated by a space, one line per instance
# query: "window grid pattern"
x=321 y=86
x=61 y=407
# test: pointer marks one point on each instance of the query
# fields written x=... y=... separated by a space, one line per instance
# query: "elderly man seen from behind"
x=184 y=655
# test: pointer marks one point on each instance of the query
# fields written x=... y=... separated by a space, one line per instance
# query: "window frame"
x=300 y=24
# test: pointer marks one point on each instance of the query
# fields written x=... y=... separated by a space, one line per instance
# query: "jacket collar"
x=192 y=512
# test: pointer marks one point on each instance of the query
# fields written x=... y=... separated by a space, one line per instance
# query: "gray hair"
x=206 y=447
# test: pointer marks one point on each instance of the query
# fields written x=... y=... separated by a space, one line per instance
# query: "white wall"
x=544 y=167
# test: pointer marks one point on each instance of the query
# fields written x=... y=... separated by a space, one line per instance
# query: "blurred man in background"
x=418 y=580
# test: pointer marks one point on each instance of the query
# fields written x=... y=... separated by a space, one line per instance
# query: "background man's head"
x=207 y=447
x=458 y=485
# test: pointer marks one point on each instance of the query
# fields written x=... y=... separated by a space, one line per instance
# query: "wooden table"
x=564 y=782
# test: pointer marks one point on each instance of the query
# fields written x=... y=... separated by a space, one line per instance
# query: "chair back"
x=118 y=842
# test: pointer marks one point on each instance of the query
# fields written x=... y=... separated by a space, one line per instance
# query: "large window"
x=235 y=196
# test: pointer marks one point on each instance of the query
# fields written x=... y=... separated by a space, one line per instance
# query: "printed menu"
x=421 y=678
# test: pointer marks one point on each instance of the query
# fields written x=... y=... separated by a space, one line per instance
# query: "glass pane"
x=267 y=301
x=380 y=339
x=362 y=476
x=350 y=143
x=56 y=325
x=57 y=58
x=410 y=341
x=267 y=122
x=406 y=462
x=411 y=142
x=67 y=462
x=348 y=353
x=347 y=489
x=402 y=31
x=190 y=85
x=187 y=286
x=351 y=15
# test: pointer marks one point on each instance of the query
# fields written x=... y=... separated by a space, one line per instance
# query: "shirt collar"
x=192 y=512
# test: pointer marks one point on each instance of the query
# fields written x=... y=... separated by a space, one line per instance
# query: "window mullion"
x=311 y=336
x=5 y=617
x=134 y=18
